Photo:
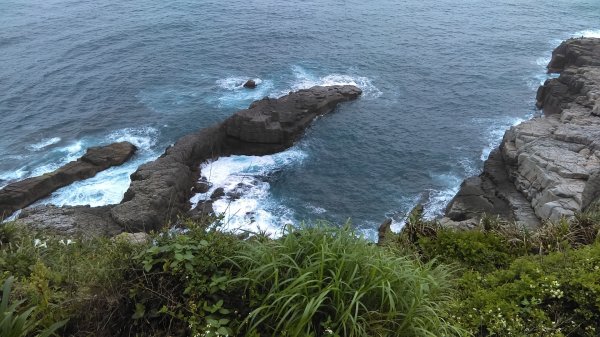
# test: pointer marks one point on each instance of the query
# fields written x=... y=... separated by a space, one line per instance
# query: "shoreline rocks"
x=547 y=167
x=160 y=190
x=23 y=193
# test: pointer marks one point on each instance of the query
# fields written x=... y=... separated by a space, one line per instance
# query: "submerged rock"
x=20 y=194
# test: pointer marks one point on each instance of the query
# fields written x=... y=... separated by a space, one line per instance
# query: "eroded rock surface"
x=71 y=221
x=553 y=161
x=20 y=194
x=161 y=189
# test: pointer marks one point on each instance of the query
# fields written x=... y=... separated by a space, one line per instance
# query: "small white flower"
x=39 y=243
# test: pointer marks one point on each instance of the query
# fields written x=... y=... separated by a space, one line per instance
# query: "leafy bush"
x=180 y=283
x=553 y=295
x=323 y=281
x=470 y=249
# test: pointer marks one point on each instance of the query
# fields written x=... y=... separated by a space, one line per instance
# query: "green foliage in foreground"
x=518 y=282
x=328 y=282
x=14 y=323
x=76 y=279
x=312 y=282
x=494 y=280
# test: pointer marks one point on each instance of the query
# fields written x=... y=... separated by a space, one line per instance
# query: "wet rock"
x=383 y=231
x=271 y=125
x=202 y=210
x=20 y=194
x=201 y=187
x=217 y=194
x=250 y=84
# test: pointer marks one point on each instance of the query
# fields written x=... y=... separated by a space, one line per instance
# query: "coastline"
x=546 y=167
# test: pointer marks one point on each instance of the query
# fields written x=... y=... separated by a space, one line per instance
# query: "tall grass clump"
x=20 y=323
x=324 y=281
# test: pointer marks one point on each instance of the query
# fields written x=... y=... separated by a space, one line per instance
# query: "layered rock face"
x=161 y=189
x=547 y=167
x=23 y=193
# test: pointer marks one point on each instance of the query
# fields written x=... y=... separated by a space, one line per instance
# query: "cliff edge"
x=547 y=167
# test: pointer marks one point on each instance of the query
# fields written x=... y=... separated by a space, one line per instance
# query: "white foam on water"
x=62 y=156
x=496 y=131
x=13 y=217
x=316 y=209
x=436 y=200
x=588 y=33
x=253 y=208
x=233 y=93
x=143 y=138
x=303 y=79
x=9 y=176
x=109 y=186
x=43 y=143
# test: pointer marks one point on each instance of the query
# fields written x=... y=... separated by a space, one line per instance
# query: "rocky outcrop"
x=71 y=221
x=548 y=166
x=250 y=84
x=161 y=189
x=20 y=194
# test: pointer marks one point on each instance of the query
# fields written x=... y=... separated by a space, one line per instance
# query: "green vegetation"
x=322 y=281
x=515 y=282
x=196 y=280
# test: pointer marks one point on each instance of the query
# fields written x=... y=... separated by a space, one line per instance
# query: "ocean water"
x=442 y=80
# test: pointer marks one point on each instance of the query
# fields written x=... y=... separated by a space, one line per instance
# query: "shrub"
x=77 y=279
x=552 y=295
x=472 y=249
x=179 y=286
x=323 y=281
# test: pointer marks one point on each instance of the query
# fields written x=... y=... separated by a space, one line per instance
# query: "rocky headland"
x=160 y=190
x=547 y=167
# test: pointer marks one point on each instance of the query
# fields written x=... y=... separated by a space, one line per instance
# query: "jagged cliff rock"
x=547 y=167
x=25 y=192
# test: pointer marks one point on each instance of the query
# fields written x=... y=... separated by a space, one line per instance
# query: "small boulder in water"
x=250 y=84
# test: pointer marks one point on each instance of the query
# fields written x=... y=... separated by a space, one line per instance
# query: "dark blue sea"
x=442 y=80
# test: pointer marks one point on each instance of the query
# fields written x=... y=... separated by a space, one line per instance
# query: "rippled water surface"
x=441 y=79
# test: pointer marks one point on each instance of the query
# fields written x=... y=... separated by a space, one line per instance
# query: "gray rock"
x=550 y=164
x=250 y=84
x=160 y=190
x=70 y=221
x=138 y=238
x=20 y=194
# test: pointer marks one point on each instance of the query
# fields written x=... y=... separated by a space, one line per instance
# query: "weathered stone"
x=20 y=194
x=550 y=160
x=160 y=190
x=138 y=238
x=71 y=221
x=383 y=231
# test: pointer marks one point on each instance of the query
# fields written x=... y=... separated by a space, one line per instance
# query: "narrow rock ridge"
x=160 y=190
x=23 y=193
x=547 y=167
